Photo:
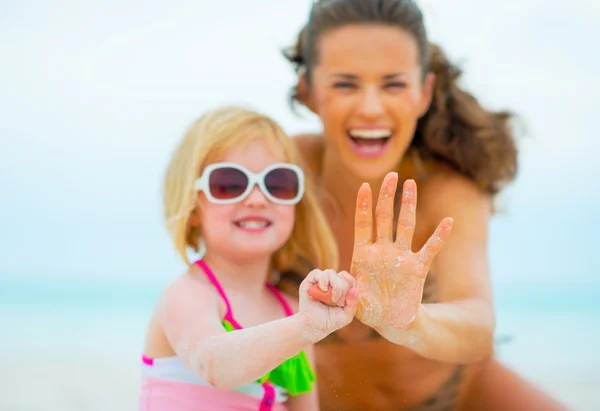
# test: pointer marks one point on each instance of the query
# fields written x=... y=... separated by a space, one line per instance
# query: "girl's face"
x=368 y=90
x=254 y=227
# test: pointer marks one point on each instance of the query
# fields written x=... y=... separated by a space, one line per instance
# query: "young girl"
x=222 y=337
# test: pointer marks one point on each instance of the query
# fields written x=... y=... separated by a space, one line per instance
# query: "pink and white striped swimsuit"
x=169 y=385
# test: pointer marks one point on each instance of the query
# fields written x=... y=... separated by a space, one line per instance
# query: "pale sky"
x=94 y=96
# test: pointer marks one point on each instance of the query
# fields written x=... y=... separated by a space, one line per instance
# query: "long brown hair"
x=456 y=129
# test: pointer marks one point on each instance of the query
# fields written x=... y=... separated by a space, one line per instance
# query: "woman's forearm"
x=457 y=332
x=240 y=357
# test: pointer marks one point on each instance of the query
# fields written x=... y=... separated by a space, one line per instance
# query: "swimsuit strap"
x=286 y=307
x=215 y=282
x=294 y=374
x=229 y=314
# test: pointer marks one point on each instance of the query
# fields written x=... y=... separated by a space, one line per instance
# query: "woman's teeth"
x=370 y=142
x=370 y=134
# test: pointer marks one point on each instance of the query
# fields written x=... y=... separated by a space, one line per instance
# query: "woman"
x=391 y=107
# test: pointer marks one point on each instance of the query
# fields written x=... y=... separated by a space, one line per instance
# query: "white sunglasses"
x=228 y=183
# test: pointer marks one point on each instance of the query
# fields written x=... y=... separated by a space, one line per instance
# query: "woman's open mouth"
x=371 y=142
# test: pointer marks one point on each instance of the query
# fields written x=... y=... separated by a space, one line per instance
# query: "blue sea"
x=77 y=343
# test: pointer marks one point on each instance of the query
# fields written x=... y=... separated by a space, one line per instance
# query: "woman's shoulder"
x=307 y=141
x=446 y=190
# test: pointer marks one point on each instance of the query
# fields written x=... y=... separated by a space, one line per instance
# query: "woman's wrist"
x=409 y=334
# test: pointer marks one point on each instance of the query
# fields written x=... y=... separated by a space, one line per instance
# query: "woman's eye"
x=396 y=84
x=345 y=85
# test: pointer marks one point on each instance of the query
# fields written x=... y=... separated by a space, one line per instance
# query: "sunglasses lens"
x=227 y=183
x=282 y=183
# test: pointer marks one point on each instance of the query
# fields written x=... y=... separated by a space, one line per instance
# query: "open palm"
x=390 y=277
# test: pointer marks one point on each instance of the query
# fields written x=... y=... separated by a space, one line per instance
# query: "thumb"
x=351 y=301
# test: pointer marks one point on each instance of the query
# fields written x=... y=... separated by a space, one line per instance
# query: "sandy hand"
x=342 y=301
x=389 y=276
x=324 y=296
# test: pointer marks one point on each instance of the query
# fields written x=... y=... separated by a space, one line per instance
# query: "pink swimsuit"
x=169 y=385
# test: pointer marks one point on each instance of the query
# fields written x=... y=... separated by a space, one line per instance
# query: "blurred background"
x=94 y=96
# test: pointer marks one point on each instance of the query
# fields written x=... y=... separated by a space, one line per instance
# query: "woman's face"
x=368 y=90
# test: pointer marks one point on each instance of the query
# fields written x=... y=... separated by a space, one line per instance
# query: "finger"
x=351 y=302
x=348 y=278
x=363 y=219
x=309 y=280
x=349 y=282
x=323 y=281
x=328 y=297
x=384 y=211
x=435 y=242
x=339 y=288
x=318 y=283
x=407 y=218
x=323 y=296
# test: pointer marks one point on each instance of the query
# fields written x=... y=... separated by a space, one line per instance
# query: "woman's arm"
x=391 y=277
x=459 y=328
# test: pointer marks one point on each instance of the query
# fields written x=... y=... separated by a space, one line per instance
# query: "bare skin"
x=423 y=335
x=443 y=366
x=227 y=360
x=188 y=318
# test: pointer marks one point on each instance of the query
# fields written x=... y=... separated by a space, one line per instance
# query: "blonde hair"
x=209 y=139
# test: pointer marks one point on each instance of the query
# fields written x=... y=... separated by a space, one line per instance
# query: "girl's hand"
x=340 y=307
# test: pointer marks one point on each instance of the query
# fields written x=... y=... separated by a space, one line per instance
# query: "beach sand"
x=68 y=382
